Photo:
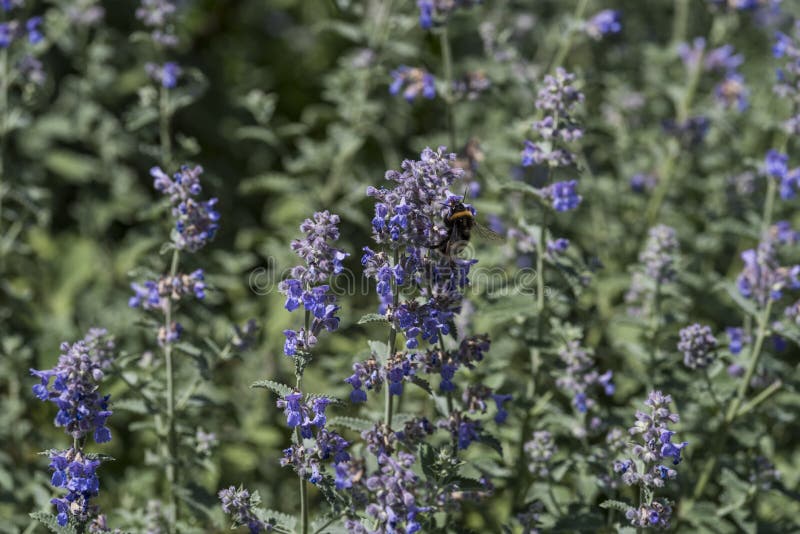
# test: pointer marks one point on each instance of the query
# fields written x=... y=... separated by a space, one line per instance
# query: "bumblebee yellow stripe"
x=460 y=214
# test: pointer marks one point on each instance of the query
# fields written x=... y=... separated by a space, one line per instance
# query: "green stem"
x=303 y=486
x=769 y=206
x=668 y=170
x=655 y=327
x=566 y=42
x=388 y=405
x=447 y=63
x=4 y=81
x=711 y=391
x=164 y=135
x=754 y=357
x=680 y=22
x=753 y=403
x=325 y=525
x=172 y=453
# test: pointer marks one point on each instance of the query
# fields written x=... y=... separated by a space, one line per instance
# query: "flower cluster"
x=154 y=294
x=14 y=29
x=645 y=465
x=540 y=451
x=464 y=430
x=776 y=166
x=75 y=472
x=82 y=410
x=475 y=397
x=604 y=23
x=471 y=85
x=305 y=416
x=240 y=506
x=370 y=375
x=470 y=351
x=660 y=254
x=763 y=278
x=392 y=492
x=196 y=222
x=157 y=16
x=413 y=82
x=698 y=346
x=27 y=69
x=306 y=287
x=431 y=11
x=643 y=183
x=746 y=5
x=580 y=376
x=788 y=77
x=557 y=101
x=658 y=267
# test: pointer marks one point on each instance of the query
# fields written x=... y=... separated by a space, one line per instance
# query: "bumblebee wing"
x=486 y=233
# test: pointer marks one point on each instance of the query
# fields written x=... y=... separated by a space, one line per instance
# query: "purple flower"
x=736 y=339
x=540 y=451
x=157 y=15
x=196 y=222
x=692 y=54
x=731 y=92
x=239 y=505
x=425 y=13
x=698 y=345
x=32 y=27
x=669 y=449
x=413 y=82
x=81 y=409
x=564 y=195
x=603 y=23
x=167 y=74
x=500 y=401
x=723 y=59
x=76 y=473
x=776 y=164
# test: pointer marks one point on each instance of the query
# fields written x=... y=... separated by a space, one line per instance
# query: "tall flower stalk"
x=82 y=411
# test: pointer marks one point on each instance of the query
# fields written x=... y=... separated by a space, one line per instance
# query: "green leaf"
x=280 y=522
x=279 y=389
x=615 y=505
x=353 y=423
x=138 y=406
x=491 y=441
x=422 y=383
x=373 y=318
x=427 y=458
x=49 y=521
x=744 y=304
x=467 y=483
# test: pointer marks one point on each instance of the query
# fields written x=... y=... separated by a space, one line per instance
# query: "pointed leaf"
x=276 y=387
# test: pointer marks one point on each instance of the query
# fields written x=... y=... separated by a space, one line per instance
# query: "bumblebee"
x=460 y=222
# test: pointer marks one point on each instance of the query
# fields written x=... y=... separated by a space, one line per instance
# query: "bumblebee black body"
x=459 y=223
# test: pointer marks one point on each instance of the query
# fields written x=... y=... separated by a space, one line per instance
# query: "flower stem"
x=3 y=123
x=755 y=355
x=447 y=63
x=172 y=453
x=164 y=135
x=388 y=405
x=680 y=22
x=566 y=42
x=668 y=170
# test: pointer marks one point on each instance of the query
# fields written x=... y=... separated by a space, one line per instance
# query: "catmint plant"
x=73 y=386
x=650 y=463
x=308 y=287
